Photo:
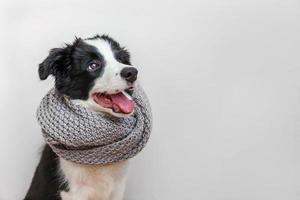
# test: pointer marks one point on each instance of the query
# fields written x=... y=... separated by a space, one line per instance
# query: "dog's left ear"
x=58 y=60
x=52 y=63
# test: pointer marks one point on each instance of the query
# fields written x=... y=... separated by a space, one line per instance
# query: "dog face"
x=94 y=72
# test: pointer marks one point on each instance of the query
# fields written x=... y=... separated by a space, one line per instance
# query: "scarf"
x=83 y=136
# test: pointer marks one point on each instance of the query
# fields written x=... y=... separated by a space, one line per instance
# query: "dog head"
x=94 y=72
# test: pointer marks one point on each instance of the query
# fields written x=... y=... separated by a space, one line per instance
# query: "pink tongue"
x=125 y=105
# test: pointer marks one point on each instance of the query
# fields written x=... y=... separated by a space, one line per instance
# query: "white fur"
x=94 y=182
x=98 y=182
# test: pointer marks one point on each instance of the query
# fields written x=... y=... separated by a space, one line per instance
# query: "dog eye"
x=93 y=66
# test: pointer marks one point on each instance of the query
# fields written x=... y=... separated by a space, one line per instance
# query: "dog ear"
x=50 y=65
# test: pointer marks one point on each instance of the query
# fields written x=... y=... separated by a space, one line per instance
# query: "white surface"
x=223 y=78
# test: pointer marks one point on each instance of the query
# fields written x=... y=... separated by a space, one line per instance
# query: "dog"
x=91 y=72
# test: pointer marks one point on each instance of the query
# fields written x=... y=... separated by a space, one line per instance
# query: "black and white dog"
x=91 y=72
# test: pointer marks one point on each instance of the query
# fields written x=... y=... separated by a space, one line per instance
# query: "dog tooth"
x=127 y=95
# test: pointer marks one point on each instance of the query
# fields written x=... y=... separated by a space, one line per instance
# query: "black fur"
x=46 y=182
x=69 y=66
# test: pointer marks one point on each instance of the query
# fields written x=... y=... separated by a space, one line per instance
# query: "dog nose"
x=129 y=74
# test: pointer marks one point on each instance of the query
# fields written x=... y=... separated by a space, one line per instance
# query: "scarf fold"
x=87 y=137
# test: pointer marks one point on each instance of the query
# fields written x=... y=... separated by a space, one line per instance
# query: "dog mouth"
x=121 y=102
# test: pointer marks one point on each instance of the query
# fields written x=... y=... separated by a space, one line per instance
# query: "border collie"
x=83 y=70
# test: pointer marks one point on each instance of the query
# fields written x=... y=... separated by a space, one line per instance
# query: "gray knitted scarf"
x=84 y=136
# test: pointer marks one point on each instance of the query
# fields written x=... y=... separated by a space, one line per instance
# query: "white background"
x=223 y=77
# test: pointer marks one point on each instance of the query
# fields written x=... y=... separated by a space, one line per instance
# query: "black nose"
x=129 y=74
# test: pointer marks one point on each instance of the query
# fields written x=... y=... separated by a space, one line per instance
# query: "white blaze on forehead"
x=103 y=47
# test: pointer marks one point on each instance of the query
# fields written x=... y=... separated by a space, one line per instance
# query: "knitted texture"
x=87 y=137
